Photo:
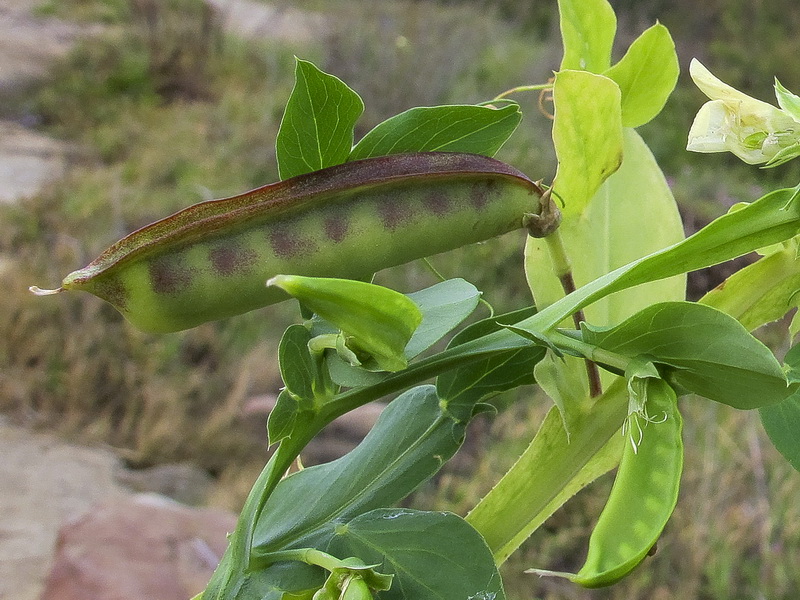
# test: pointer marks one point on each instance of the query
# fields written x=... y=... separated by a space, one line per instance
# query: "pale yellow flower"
x=732 y=121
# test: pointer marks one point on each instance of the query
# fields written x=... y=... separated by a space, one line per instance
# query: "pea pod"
x=642 y=499
x=212 y=260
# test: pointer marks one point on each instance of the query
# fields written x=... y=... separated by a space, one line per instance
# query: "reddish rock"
x=141 y=548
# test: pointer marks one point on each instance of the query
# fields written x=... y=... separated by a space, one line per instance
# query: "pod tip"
x=40 y=292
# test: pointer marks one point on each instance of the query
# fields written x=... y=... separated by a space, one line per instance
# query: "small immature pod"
x=212 y=260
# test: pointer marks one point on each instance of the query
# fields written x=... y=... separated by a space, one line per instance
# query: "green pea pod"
x=211 y=260
x=644 y=495
x=379 y=321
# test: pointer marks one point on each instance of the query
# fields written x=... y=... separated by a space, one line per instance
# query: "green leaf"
x=281 y=581
x=782 y=421
x=711 y=353
x=771 y=219
x=459 y=128
x=552 y=469
x=587 y=29
x=783 y=156
x=317 y=126
x=761 y=292
x=282 y=417
x=565 y=383
x=346 y=375
x=378 y=321
x=411 y=440
x=787 y=100
x=298 y=370
x=646 y=75
x=444 y=306
x=632 y=214
x=587 y=135
x=461 y=389
x=434 y=555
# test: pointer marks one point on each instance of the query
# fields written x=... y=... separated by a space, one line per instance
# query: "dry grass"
x=156 y=132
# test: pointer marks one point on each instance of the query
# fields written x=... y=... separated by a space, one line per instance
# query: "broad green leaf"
x=461 y=389
x=588 y=28
x=460 y=128
x=552 y=469
x=771 y=219
x=711 y=353
x=761 y=292
x=646 y=75
x=444 y=306
x=411 y=440
x=631 y=215
x=782 y=421
x=587 y=135
x=434 y=555
x=378 y=321
x=317 y=126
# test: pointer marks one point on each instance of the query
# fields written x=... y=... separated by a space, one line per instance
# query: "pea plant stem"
x=562 y=267
x=524 y=88
x=310 y=556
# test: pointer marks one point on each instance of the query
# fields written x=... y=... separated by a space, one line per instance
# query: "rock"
x=28 y=161
x=183 y=482
x=142 y=548
x=29 y=43
x=257 y=21
x=43 y=482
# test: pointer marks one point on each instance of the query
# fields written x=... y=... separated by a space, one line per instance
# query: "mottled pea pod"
x=211 y=260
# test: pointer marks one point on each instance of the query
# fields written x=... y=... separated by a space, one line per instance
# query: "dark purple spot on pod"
x=169 y=274
x=111 y=290
x=336 y=227
x=286 y=243
x=482 y=192
x=231 y=259
x=394 y=214
x=437 y=202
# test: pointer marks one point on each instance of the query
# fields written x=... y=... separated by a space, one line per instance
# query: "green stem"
x=309 y=556
x=524 y=88
x=562 y=267
x=571 y=340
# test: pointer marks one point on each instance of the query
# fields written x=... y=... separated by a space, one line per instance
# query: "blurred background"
x=114 y=113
